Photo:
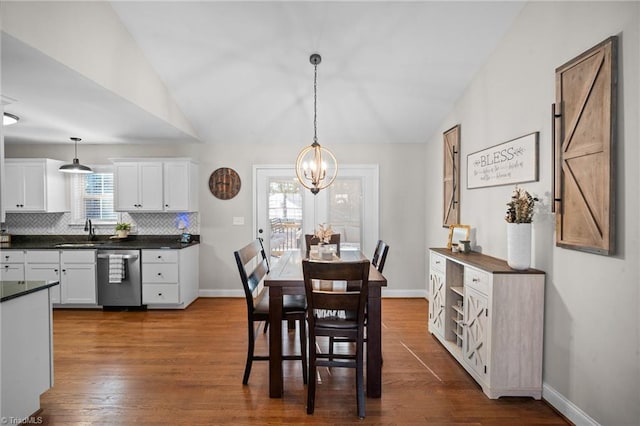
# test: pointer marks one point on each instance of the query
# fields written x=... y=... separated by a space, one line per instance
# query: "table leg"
x=374 y=343
x=275 y=342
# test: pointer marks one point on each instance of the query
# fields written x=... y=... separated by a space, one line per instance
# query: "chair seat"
x=337 y=324
x=290 y=303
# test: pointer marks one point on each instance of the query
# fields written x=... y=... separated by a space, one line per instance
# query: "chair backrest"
x=380 y=255
x=321 y=298
x=250 y=275
x=312 y=240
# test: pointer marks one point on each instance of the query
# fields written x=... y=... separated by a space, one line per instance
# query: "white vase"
x=519 y=245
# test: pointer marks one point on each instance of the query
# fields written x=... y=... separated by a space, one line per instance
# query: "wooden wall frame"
x=584 y=138
x=451 y=177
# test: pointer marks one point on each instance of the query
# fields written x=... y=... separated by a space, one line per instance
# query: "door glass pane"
x=285 y=215
x=345 y=211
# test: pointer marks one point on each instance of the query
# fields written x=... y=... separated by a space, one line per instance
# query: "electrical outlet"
x=238 y=220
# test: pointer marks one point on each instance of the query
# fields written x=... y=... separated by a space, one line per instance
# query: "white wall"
x=592 y=320
x=402 y=202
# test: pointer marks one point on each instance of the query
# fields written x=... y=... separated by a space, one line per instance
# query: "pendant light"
x=312 y=170
x=75 y=167
x=9 y=119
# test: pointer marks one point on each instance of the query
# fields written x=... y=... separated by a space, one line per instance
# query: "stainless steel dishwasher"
x=123 y=289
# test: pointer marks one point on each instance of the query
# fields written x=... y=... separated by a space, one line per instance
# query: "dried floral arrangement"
x=324 y=233
x=520 y=208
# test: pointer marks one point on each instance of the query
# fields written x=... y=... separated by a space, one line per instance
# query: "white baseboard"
x=220 y=293
x=566 y=407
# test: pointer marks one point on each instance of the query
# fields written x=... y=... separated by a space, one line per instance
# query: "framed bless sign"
x=515 y=161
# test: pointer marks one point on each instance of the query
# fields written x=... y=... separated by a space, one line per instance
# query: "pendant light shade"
x=75 y=166
x=316 y=167
x=9 y=119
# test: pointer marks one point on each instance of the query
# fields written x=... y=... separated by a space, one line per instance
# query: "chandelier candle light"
x=311 y=165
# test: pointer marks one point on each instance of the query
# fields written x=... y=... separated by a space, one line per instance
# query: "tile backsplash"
x=142 y=223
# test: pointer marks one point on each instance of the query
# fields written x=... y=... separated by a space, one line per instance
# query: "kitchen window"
x=92 y=197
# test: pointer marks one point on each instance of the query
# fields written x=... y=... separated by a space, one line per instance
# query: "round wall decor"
x=224 y=183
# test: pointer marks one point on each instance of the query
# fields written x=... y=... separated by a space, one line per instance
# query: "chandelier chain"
x=315 y=103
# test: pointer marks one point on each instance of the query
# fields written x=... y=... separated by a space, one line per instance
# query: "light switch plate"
x=238 y=220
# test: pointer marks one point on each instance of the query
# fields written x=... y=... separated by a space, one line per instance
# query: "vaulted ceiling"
x=239 y=72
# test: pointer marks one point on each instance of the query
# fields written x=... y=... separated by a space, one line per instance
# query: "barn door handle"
x=555 y=149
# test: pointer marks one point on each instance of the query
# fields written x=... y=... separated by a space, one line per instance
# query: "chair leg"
x=303 y=349
x=331 y=343
x=250 y=348
x=311 y=388
x=360 y=382
x=266 y=326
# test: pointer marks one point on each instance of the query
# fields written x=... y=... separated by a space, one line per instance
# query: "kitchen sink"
x=79 y=244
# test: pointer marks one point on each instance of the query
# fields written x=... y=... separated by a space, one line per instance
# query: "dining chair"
x=380 y=255
x=258 y=309
x=378 y=261
x=325 y=315
x=312 y=240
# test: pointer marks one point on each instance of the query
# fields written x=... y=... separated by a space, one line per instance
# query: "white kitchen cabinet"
x=180 y=186
x=78 y=277
x=44 y=265
x=170 y=277
x=12 y=265
x=493 y=320
x=138 y=186
x=35 y=185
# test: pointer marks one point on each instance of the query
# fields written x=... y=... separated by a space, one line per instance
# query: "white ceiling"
x=240 y=72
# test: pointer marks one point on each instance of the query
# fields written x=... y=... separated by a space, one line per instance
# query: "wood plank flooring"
x=185 y=367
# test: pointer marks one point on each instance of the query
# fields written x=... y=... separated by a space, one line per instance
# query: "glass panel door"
x=285 y=211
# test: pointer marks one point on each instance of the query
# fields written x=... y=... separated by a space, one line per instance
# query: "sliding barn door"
x=584 y=135
x=451 y=177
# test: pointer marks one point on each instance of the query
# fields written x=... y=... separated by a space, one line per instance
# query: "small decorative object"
x=122 y=230
x=457 y=233
x=464 y=246
x=324 y=233
x=224 y=183
x=519 y=216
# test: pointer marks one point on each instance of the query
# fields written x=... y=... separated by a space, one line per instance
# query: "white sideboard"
x=490 y=318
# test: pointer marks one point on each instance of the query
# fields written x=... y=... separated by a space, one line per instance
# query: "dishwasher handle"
x=125 y=257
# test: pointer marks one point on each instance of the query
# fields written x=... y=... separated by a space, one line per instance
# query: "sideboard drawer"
x=437 y=262
x=476 y=279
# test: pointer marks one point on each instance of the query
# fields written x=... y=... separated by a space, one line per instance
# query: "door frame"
x=371 y=208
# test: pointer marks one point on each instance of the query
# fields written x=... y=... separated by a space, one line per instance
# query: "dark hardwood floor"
x=185 y=367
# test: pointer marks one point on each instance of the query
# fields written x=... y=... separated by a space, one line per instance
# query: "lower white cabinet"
x=12 y=265
x=490 y=318
x=44 y=265
x=78 y=277
x=170 y=277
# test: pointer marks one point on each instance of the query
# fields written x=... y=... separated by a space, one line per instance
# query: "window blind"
x=92 y=196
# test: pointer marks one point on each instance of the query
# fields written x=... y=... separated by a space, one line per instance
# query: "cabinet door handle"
x=159 y=294
x=166 y=205
x=475 y=280
x=159 y=274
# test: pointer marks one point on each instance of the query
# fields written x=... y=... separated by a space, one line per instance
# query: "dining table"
x=285 y=277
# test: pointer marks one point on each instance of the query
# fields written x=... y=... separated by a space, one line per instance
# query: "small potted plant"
x=122 y=229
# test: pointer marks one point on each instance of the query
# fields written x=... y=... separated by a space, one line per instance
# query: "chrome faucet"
x=90 y=228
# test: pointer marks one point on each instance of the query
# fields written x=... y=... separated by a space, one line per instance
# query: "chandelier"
x=312 y=170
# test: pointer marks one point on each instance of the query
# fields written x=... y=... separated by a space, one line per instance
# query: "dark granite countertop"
x=13 y=289
x=73 y=242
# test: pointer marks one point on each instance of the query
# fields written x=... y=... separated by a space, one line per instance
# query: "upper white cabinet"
x=138 y=186
x=155 y=186
x=180 y=189
x=35 y=185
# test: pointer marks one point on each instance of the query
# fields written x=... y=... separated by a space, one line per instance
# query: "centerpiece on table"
x=122 y=229
x=519 y=217
x=323 y=234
